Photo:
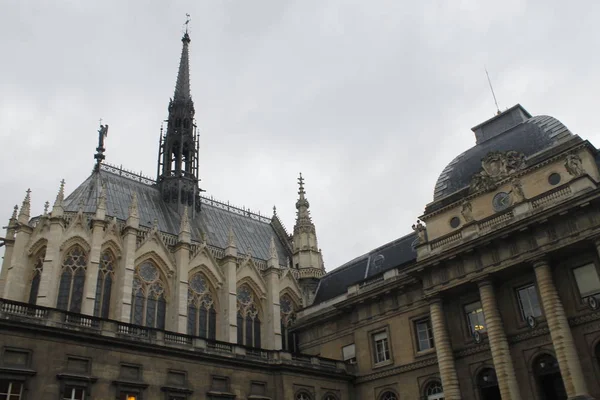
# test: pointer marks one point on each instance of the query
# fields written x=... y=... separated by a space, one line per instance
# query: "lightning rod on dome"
x=492 y=89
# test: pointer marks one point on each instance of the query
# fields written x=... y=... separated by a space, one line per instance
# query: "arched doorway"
x=548 y=378
x=487 y=382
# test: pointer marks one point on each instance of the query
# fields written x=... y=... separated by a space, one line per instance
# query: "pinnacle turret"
x=25 y=208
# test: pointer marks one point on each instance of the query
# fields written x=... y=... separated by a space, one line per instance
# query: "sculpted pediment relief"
x=495 y=167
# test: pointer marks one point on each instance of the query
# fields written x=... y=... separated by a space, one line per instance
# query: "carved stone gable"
x=496 y=166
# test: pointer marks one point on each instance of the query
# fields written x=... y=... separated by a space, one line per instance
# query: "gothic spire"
x=182 y=87
x=302 y=205
x=25 y=208
x=57 y=208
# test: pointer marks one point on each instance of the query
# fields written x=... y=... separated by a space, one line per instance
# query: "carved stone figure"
x=467 y=211
x=496 y=166
x=421 y=232
x=517 y=191
x=573 y=165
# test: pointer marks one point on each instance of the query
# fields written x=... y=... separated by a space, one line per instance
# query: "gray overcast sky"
x=369 y=99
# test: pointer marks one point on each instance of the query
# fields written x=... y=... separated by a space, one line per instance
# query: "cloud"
x=370 y=100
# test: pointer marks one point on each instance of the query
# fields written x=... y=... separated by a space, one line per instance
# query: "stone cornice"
x=397 y=370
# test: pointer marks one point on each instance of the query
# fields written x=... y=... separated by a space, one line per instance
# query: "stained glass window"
x=104 y=284
x=72 y=279
x=148 y=297
x=36 y=275
x=288 y=316
x=248 y=319
x=201 y=308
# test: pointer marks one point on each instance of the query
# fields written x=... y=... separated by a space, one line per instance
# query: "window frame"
x=518 y=290
x=417 y=341
x=11 y=381
x=373 y=346
x=351 y=360
x=471 y=332
x=580 y=296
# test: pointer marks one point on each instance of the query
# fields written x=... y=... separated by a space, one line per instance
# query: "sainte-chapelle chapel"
x=131 y=288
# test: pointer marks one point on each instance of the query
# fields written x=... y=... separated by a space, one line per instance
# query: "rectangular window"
x=382 y=347
x=10 y=390
x=130 y=372
x=258 y=388
x=16 y=357
x=528 y=302
x=587 y=280
x=349 y=353
x=73 y=393
x=176 y=378
x=424 y=334
x=220 y=384
x=475 y=319
x=76 y=364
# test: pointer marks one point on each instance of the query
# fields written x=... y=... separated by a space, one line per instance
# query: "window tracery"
x=288 y=316
x=202 y=317
x=148 y=298
x=36 y=275
x=248 y=321
x=72 y=279
x=104 y=284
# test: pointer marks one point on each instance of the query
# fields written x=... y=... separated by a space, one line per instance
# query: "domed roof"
x=514 y=129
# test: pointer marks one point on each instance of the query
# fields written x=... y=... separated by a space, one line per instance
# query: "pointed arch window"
x=148 y=298
x=202 y=317
x=248 y=322
x=36 y=275
x=288 y=316
x=106 y=272
x=72 y=279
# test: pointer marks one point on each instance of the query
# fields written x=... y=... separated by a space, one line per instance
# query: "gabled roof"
x=395 y=254
x=214 y=220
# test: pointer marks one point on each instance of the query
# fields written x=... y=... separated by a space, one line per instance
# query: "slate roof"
x=397 y=253
x=250 y=230
x=529 y=137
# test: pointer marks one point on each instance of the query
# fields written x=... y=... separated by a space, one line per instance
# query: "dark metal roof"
x=395 y=254
x=214 y=220
x=529 y=137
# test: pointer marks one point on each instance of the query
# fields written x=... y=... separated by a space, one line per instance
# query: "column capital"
x=540 y=262
x=484 y=280
x=433 y=299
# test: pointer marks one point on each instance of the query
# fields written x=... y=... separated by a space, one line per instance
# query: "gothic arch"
x=37 y=245
x=293 y=295
x=113 y=247
x=204 y=257
x=149 y=294
x=258 y=288
x=428 y=388
x=202 y=306
x=248 y=270
x=107 y=266
x=159 y=261
x=250 y=315
x=214 y=276
x=74 y=262
x=35 y=266
x=75 y=240
x=154 y=243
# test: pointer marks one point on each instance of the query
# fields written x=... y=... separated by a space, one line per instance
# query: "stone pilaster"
x=560 y=332
x=503 y=364
x=124 y=275
x=17 y=276
x=228 y=296
x=182 y=261
x=91 y=274
x=273 y=325
x=443 y=349
x=8 y=249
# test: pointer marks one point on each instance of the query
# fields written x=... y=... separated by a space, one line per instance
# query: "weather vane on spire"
x=187 y=22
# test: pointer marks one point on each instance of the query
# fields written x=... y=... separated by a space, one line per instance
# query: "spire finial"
x=187 y=22
x=155 y=225
x=46 y=207
x=61 y=194
x=274 y=211
x=102 y=198
x=133 y=206
x=182 y=87
x=15 y=213
x=99 y=156
x=301 y=192
x=272 y=248
x=25 y=208
x=185 y=221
